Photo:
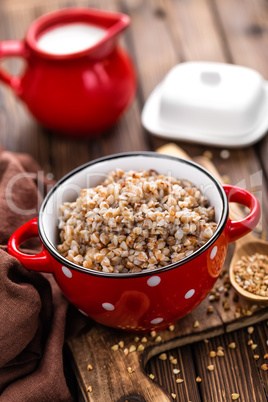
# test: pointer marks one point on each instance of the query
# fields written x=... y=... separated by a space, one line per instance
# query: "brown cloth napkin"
x=32 y=308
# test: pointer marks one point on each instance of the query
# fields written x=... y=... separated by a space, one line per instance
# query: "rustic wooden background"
x=162 y=34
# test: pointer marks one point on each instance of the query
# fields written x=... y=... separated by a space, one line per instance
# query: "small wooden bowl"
x=247 y=246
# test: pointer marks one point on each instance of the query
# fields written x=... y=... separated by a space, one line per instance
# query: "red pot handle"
x=236 y=229
x=12 y=49
x=38 y=262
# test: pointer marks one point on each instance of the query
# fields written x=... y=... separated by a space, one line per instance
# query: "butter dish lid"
x=210 y=103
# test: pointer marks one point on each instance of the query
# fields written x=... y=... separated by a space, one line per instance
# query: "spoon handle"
x=235 y=212
x=175 y=150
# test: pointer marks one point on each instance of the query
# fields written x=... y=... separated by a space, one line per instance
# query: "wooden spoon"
x=245 y=246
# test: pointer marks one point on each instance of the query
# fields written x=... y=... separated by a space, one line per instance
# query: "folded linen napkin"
x=32 y=307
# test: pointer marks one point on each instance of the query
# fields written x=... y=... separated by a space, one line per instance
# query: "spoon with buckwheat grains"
x=249 y=265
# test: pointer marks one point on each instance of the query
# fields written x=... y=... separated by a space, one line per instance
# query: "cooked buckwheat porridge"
x=133 y=221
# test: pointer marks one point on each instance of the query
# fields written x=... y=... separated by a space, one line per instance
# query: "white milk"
x=70 y=38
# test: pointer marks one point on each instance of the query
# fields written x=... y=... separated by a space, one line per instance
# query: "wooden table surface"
x=162 y=34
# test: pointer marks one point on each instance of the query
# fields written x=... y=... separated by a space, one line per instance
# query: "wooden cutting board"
x=119 y=377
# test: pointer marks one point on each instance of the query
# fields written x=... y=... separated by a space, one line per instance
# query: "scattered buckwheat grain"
x=163 y=356
x=232 y=345
x=235 y=396
x=256 y=357
x=210 y=367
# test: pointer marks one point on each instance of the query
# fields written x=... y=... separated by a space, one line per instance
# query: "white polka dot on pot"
x=157 y=320
x=108 y=306
x=213 y=252
x=67 y=272
x=189 y=294
x=153 y=281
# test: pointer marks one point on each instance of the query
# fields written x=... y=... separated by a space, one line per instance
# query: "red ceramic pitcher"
x=77 y=80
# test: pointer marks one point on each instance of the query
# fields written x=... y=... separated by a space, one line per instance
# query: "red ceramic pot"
x=81 y=93
x=142 y=301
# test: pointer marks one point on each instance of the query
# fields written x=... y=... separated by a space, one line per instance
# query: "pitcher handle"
x=38 y=262
x=12 y=48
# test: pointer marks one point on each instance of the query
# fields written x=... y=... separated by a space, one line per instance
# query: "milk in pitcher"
x=70 y=38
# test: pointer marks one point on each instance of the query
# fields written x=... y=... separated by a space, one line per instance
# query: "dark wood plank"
x=165 y=376
x=177 y=27
x=235 y=372
x=260 y=338
x=221 y=383
x=244 y=27
x=154 y=54
x=19 y=130
x=262 y=151
x=247 y=39
x=194 y=27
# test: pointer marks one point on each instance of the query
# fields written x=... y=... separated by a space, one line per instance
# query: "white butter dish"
x=211 y=103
